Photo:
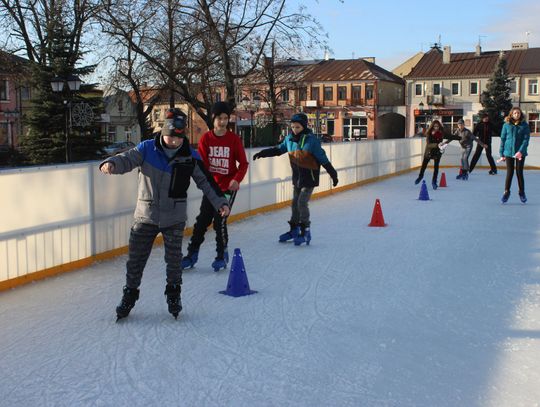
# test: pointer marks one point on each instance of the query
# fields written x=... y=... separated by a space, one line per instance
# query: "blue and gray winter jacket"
x=163 y=181
x=305 y=156
x=514 y=138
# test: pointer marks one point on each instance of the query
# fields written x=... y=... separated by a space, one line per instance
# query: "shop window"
x=450 y=123
x=355 y=128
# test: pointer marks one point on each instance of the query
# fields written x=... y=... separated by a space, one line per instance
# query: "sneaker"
x=190 y=260
x=522 y=197
x=505 y=196
x=434 y=185
x=417 y=180
x=174 y=303
x=131 y=295
x=291 y=234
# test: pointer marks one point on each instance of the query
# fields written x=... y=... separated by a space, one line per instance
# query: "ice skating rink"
x=439 y=308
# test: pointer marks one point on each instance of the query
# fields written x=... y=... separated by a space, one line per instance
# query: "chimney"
x=478 y=50
x=326 y=55
x=446 y=54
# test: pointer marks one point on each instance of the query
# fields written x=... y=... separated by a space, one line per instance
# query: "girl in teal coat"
x=515 y=136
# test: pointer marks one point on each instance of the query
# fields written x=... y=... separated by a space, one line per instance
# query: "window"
x=285 y=95
x=25 y=93
x=533 y=86
x=450 y=123
x=513 y=86
x=534 y=122
x=302 y=93
x=218 y=97
x=436 y=89
x=455 y=88
x=4 y=138
x=355 y=128
x=356 y=95
x=342 y=92
x=111 y=133
x=157 y=114
x=3 y=89
x=369 y=92
x=418 y=89
x=328 y=92
x=314 y=93
x=120 y=105
x=473 y=88
x=127 y=134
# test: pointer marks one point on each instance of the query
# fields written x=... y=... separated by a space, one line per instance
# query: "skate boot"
x=522 y=197
x=127 y=303
x=304 y=236
x=221 y=261
x=172 y=291
x=291 y=234
x=493 y=172
x=417 y=180
x=465 y=175
x=505 y=196
x=189 y=260
x=434 y=185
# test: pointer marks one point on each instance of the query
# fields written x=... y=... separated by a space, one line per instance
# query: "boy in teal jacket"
x=306 y=157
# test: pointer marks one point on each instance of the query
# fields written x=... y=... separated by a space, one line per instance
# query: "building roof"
x=12 y=64
x=349 y=70
x=288 y=71
x=406 y=67
x=468 y=64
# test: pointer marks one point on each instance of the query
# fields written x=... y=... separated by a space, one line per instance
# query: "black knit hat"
x=219 y=108
x=300 y=118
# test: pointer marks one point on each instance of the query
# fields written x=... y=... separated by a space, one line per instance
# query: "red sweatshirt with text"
x=220 y=155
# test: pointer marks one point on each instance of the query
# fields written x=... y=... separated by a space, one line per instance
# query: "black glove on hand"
x=257 y=155
x=332 y=172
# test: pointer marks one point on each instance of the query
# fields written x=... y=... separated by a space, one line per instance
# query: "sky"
x=394 y=30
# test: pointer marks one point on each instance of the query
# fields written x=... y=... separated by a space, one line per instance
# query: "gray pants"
x=141 y=240
x=465 y=153
x=299 y=206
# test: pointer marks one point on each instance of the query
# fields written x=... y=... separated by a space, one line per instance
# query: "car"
x=118 y=147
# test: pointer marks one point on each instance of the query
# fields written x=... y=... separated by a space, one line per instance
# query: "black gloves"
x=268 y=152
x=332 y=172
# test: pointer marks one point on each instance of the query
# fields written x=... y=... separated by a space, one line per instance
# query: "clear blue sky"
x=393 y=30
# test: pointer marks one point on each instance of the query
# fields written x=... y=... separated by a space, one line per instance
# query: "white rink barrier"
x=62 y=217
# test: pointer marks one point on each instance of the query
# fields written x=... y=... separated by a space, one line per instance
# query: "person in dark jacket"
x=306 y=157
x=434 y=142
x=166 y=164
x=465 y=138
x=484 y=132
x=515 y=136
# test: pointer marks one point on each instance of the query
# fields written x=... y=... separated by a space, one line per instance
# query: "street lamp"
x=58 y=85
x=252 y=107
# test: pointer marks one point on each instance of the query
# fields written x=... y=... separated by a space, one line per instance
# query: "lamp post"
x=252 y=107
x=58 y=85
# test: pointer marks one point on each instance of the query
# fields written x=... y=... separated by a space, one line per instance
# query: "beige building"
x=448 y=86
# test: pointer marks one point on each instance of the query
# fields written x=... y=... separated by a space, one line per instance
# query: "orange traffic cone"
x=377 y=219
x=442 y=184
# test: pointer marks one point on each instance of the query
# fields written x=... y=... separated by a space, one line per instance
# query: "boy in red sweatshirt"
x=224 y=157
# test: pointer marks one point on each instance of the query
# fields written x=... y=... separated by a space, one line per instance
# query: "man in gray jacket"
x=166 y=165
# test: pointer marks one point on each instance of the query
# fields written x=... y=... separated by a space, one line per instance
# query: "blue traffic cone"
x=238 y=284
x=424 y=196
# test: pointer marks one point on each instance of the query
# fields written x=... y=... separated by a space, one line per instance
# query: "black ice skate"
x=172 y=291
x=127 y=303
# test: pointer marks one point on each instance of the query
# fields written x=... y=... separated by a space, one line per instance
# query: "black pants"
x=208 y=215
x=478 y=153
x=141 y=239
x=436 y=162
x=512 y=163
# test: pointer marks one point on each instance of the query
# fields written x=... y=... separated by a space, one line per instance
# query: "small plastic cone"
x=442 y=184
x=377 y=218
x=424 y=195
x=238 y=284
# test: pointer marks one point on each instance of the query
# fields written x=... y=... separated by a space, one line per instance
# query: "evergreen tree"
x=52 y=137
x=496 y=99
